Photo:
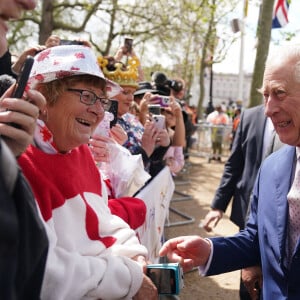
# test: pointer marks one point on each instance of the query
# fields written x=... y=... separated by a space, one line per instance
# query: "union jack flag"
x=280 y=13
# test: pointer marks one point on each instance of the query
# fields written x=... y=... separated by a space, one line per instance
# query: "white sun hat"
x=65 y=61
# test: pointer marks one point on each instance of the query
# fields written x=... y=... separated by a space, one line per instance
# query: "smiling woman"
x=68 y=116
x=71 y=87
x=86 y=241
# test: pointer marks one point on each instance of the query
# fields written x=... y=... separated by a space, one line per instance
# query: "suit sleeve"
x=238 y=251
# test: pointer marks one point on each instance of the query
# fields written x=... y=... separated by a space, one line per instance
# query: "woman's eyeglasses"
x=90 y=98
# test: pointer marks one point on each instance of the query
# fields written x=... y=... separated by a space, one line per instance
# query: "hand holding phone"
x=128 y=43
x=114 y=110
x=22 y=81
x=159 y=121
x=167 y=277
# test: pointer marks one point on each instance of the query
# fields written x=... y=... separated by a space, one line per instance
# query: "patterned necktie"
x=294 y=210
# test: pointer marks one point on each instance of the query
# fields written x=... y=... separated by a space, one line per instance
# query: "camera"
x=69 y=42
x=167 y=277
x=163 y=84
x=163 y=101
x=154 y=109
x=160 y=83
x=175 y=85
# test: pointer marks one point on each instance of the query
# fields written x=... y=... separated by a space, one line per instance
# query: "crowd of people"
x=68 y=216
x=76 y=211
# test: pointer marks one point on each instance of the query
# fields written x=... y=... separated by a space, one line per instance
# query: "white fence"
x=204 y=136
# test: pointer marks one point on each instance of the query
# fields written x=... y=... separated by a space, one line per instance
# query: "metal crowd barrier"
x=204 y=136
x=181 y=217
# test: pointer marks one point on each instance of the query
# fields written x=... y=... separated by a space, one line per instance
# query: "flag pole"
x=241 y=65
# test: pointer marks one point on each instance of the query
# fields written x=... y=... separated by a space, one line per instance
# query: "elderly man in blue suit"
x=266 y=238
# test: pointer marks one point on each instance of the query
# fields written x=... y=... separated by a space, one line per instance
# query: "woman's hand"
x=147 y=290
x=175 y=107
x=118 y=134
x=163 y=138
x=98 y=146
x=32 y=51
x=149 y=137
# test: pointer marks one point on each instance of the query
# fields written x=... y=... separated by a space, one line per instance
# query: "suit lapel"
x=282 y=177
x=261 y=123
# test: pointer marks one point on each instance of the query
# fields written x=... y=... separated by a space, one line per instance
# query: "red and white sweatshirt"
x=90 y=249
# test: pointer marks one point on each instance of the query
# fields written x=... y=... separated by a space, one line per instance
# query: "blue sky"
x=232 y=61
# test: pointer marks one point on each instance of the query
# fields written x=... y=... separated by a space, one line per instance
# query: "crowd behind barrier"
x=204 y=135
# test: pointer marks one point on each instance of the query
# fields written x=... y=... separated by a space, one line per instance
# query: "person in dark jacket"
x=23 y=240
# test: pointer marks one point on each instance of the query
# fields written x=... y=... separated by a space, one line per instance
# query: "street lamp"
x=210 y=106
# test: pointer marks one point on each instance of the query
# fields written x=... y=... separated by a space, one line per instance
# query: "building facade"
x=224 y=89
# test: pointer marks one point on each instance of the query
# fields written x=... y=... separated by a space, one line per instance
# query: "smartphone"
x=23 y=78
x=168 y=277
x=22 y=82
x=154 y=109
x=128 y=43
x=114 y=110
x=70 y=42
x=159 y=121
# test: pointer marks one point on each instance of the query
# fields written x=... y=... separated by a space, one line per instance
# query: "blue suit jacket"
x=264 y=238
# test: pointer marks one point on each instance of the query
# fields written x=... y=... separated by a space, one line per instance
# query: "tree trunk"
x=208 y=45
x=46 y=25
x=263 y=42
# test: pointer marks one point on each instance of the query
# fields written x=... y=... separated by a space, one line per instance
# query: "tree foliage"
x=181 y=32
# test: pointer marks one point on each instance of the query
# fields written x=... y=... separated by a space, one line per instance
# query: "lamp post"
x=238 y=25
x=210 y=106
x=241 y=65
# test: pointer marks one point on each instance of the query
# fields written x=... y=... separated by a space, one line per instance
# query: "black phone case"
x=23 y=77
x=22 y=81
x=114 y=110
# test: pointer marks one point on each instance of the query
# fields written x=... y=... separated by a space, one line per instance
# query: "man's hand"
x=189 y=251
x=252 y=279
x=212 y=218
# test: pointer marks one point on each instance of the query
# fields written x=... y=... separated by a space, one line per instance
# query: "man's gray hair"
x=286 y=54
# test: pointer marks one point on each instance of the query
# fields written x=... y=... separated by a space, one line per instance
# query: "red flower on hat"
x=39 y=77
x=43 y=55
x=61 y=74
x=79 y=55
x=75 y=68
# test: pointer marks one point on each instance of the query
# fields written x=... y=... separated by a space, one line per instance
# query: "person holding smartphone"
x=23 y=241
x=125 y=52
x=144 y=139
